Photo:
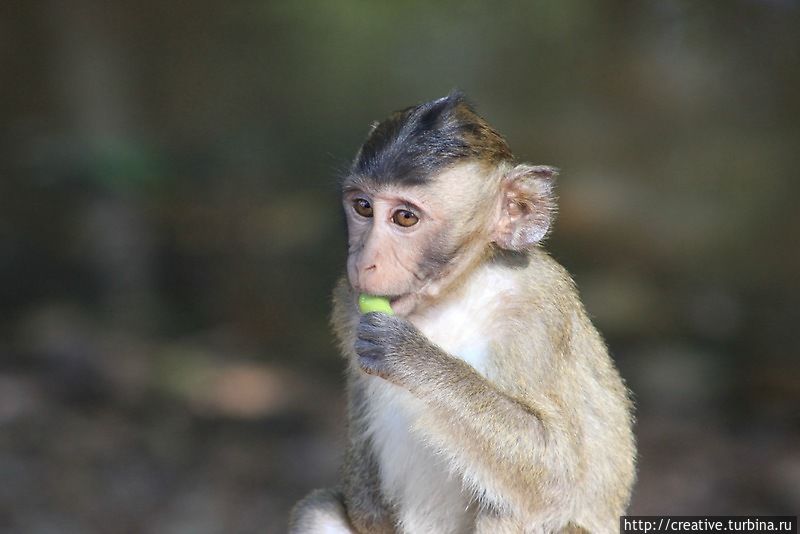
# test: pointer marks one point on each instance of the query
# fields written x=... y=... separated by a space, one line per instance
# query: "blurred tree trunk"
x=95 y=79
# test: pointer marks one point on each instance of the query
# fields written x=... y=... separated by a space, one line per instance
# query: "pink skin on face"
x=400 y=237
x=383 y=254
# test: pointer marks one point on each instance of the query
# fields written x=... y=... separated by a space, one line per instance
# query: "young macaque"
x=488 y=402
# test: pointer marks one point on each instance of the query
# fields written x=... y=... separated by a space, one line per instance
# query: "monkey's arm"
x=503 y=447
x=362 y=494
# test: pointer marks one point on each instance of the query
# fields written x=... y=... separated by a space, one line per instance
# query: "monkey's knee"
x=321 y=511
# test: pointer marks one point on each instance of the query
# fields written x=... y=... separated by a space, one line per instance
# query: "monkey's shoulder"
x=530 y=286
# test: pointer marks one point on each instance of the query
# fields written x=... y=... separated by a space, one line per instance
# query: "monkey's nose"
x=367 y=276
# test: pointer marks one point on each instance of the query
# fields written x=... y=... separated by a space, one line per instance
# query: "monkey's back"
x=584 y=374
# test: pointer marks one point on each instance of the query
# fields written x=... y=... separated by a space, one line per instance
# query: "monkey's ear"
x=529 y=206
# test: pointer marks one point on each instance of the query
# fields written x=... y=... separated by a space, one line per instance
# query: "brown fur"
x=525 y=425
x=551 y=383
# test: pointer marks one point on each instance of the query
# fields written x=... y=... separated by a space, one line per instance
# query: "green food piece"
x=371 y=303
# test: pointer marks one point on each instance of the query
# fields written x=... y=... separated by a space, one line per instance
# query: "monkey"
x=488 y=401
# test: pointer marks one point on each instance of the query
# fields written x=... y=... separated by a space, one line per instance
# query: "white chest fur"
x=428 y=496
x=463 y=325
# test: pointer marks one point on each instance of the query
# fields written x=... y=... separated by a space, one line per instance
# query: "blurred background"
x=170 y=234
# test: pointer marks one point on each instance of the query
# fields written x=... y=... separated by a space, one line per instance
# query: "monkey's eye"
x=362 y=207
x=404 y=218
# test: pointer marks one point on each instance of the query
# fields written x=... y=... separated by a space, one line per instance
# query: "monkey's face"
x=402 y=239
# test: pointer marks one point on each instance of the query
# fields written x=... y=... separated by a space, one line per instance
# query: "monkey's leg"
x=322 y=511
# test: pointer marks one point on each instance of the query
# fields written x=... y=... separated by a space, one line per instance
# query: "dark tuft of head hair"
x=415 y=143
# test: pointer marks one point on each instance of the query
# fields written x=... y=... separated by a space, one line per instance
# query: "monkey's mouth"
x=399 y=303
x=402 y=304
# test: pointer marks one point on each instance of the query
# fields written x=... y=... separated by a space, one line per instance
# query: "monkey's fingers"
x=368 y=349
x=372 y=326
x=372 y=358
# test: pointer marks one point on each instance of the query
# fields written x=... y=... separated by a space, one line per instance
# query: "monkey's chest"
x=426 y=494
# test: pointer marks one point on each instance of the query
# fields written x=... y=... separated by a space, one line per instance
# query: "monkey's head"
x=433 y=192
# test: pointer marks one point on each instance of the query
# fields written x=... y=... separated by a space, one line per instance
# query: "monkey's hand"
x=384 y=343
